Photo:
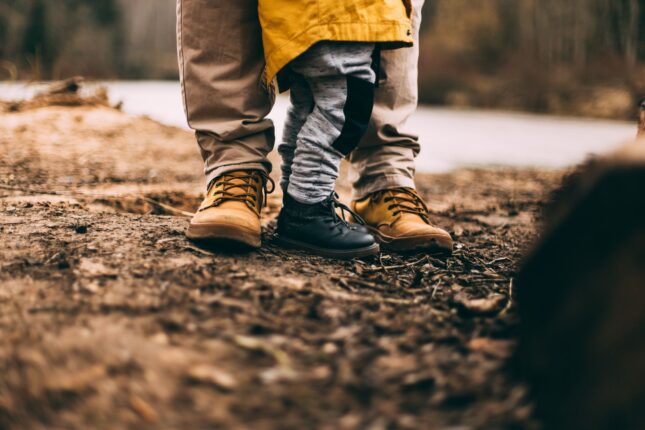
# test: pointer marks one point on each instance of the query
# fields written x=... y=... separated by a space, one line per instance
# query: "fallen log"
x=581 y=296
x=62 y=93
x=67 y=86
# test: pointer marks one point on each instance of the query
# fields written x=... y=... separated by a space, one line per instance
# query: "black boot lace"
x=344 y=209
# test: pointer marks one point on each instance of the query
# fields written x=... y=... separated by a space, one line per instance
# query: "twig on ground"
x=434 y=291
x=498 y=260
x=363 y=283
x=509 y=303
x=437 y=262
x=166 y=207
x=342 y=283
x=398 y=266
x=380 y=260
x=254 y=344
x=198 y=250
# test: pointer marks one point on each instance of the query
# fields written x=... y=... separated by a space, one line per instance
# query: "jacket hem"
x=392 y=35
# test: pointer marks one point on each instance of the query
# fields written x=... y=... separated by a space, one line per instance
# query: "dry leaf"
x=486 y=306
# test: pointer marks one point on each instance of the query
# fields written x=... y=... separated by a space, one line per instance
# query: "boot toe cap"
x=241 y=226
x=409 y=236
x=238 y=218
x=360 y=239
x=411 y=229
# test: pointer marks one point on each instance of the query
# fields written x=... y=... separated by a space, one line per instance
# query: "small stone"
x=458 y=231
x=277 y=374
x=207 y=374
x=161 y=338
x=321 y=373
x=330 y=348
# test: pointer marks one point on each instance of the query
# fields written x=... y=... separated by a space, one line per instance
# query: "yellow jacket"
x=290 y=27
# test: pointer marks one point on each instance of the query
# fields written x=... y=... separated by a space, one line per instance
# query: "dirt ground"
x=110 y=318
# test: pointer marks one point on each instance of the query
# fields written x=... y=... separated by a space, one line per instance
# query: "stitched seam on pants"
x=182 y=63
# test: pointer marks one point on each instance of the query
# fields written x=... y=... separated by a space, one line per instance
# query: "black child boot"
x=319 y=230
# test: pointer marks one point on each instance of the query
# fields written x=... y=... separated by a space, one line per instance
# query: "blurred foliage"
x=46 y=39
x=574 y=56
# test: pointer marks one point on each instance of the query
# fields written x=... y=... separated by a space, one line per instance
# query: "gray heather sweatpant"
x=332 y=96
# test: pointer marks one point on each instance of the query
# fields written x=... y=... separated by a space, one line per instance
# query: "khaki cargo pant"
x=221 y=63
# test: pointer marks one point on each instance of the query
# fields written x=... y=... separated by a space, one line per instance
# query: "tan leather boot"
x=231 y=209
x=398 y=219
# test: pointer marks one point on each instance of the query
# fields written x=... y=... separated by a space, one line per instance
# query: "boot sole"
x=224 y=234
x=412 y=244
x=344 y=254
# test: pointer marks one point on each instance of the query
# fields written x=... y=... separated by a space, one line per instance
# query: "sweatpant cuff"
x=305 y=196
x=219 y=171
x=381 y=182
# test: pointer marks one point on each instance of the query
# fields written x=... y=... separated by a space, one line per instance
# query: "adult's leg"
x=385 y=157
x=383 y=165
x=221 y=63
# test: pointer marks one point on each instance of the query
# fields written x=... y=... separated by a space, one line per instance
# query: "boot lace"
x=246 y=184
x=410 y=202
x=342 y=220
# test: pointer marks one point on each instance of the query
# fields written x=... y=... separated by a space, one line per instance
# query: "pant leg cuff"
x=306 y=196
x=381 y=182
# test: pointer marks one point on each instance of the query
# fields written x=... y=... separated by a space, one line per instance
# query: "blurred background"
x=573 y=57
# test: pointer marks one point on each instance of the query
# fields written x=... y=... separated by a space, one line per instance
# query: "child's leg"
x=341 y=80
x=302 y=103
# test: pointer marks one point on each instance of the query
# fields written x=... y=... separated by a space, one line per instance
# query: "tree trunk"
x=631 y=36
